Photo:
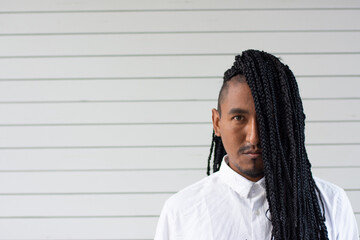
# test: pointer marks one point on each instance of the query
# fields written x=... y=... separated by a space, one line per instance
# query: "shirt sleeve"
x=345 y=218
x=165 y=224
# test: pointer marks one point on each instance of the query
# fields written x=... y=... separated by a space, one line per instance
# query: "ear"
x=216 y=121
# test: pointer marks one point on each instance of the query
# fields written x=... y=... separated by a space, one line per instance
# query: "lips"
x=250 y=150
x=253 y=154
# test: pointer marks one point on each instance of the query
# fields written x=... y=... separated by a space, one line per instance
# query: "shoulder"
x=182 y=211
x=193 y=195
x=328 y=188
x=339 y=215
x=335 y=200
x=331 y=194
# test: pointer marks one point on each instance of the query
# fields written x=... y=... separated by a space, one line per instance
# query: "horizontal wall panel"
x=332 y=110
x=354 y=197
x=193 y=43
x=98 y=182
x=165 y=66
x=106 y=159
x=152 y=135
x=97 y=205
x=161 y=89
x=93 y=5
x=113 y=228
x=129 y=112
x=331 y=133
x=141 y=181
x=153 y=112
x=148 y=158
x=320 y=65
x=82 y=205
x=108 y=90
x=116 y=67
x=335 y=155
x=138 y=135
x=329 y=87
x=343 y=177
x=178 y=21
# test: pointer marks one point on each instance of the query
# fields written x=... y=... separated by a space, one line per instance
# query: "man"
x=264 y=188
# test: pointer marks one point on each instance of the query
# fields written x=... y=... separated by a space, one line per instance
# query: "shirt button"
x=257 y=212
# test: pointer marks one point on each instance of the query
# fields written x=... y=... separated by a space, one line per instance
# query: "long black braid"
x=295 y=203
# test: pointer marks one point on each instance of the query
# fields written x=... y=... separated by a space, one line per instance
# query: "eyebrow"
x=238 y=111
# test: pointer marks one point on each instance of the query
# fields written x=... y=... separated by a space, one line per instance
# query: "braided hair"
x=293 y=197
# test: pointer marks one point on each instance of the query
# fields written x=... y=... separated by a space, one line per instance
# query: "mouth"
x=253 y=154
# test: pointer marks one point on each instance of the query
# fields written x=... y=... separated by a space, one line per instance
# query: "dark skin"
x=237 y=126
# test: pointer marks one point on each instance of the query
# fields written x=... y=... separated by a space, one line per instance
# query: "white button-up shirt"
x=227 y=206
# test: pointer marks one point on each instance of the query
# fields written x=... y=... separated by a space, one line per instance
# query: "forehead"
x=238 y=95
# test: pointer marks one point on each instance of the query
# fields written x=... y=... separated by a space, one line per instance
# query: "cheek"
x=233 y=135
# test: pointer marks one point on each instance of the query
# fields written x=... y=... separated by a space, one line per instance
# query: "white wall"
x=105 y=105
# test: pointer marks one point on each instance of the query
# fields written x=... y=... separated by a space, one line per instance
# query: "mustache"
x=249 y=148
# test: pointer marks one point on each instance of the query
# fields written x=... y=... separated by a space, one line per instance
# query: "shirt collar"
x=244 y=187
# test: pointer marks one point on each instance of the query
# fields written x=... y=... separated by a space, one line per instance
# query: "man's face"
x=238 y=129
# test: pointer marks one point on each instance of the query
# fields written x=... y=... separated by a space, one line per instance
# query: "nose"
x=252 y=132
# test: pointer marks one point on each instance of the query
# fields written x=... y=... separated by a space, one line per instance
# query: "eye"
x=238 y=118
